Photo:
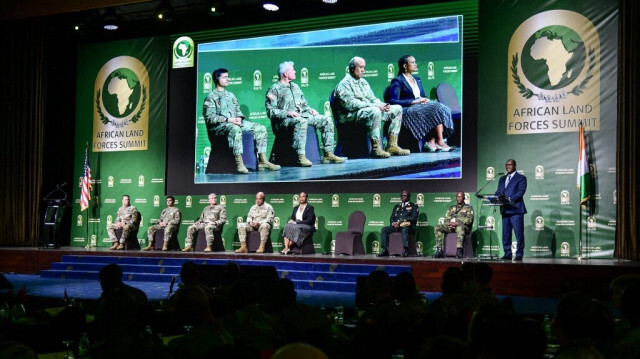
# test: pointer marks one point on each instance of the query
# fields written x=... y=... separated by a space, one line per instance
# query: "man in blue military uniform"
x=403 y=219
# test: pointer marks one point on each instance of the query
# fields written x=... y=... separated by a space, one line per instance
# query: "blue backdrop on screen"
x=321 y=59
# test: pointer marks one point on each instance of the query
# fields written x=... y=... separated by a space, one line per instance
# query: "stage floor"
x=533 y=277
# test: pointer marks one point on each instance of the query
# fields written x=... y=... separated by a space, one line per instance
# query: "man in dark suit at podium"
x=511 y=189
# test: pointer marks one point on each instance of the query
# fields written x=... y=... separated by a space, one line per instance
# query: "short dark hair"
x=217 y=73
x=173 y=199
x=126 y=195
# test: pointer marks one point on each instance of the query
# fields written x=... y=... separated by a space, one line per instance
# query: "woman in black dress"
x=301 y=224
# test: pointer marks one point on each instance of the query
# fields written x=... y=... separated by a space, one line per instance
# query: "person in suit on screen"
x=426 y=119
x=301 y=224
x=511 y=188
x=357 y=103
x=223 y=117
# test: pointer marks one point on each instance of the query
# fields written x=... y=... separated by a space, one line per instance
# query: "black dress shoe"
x=384 y=253
x=518 y=259
x=405 y=253
x=459 y=253
x=438 y=254
x=506 y=258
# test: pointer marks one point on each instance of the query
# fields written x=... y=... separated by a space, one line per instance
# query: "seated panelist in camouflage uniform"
x=260 y=218
x=287 y=107
x=127 y=218
x=169 y=221
x=211 y=220
x=223 y=117
x=458 y=220
x=357 y=103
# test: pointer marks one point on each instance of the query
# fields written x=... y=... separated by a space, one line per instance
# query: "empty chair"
x=450 y=245
x=350 y=242
x=447 y=96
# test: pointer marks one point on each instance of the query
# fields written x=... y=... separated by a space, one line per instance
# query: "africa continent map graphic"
x=553 y=57
x=121 y=93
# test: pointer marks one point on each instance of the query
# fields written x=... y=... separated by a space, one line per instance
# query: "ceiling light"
x=163 y=12
x=216 y=8
x=270 y=6
x=329 y=1
x=110 y=21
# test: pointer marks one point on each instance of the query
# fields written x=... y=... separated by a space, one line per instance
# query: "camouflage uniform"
x=211 y=220
x=361 y=105
x=282 y=99
x=127 y=215
x=221 y=106
x=171 y=217
x=261 y=214
x=463 y=215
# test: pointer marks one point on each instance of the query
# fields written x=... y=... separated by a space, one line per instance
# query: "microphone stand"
x=483 y=197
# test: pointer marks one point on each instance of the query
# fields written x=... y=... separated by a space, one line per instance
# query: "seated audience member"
x=426 y=119
x=578 y=325
x=482 y=292
x=628 y=345
x=358 y=104
x=121 y=313
x=448 y=314
x=211 y=220
x=206 y=336
x=380 y=331
x=300 y=226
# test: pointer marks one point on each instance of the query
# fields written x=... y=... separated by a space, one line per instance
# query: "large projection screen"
x=321 y=59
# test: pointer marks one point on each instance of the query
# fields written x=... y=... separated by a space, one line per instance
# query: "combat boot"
x=243 y=247
x=303 y=161
x=149 y=247
x=165 y=246
x=240 y=165
x=393 y=147
x=261 y=248
x=329 y=157
x=188 y=249
x=377 y=151
x=264 y=164
x=120 y=247
x=209 y=249
x=114 y=246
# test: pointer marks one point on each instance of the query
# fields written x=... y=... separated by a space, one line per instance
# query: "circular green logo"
x=183 y=49
x=121 y=93
x=553 y=57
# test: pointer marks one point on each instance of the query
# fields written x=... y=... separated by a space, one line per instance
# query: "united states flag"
x=85 y=195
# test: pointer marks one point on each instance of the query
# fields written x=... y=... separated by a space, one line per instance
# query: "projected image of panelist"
x=288 y=109
x=355 y=102
x=426 y=119
x=223 y=118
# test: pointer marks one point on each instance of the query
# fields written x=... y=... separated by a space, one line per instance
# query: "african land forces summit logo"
x=554 y=74
x=121 y=106
x=183 y=54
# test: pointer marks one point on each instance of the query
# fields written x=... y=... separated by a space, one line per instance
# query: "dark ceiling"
x=138 y=18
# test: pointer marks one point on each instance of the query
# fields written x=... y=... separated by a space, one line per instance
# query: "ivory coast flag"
x=584 y=177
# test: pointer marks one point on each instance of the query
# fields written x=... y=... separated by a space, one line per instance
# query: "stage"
x=533 y=277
